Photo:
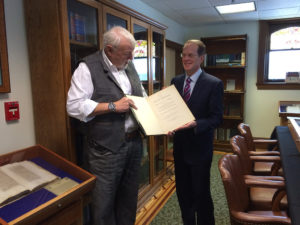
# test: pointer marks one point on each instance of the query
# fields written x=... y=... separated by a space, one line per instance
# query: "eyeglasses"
x=182 y=55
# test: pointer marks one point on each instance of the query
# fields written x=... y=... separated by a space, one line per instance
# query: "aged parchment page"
x=20 y=177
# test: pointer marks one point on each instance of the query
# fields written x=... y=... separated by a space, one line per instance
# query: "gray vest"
x=108 y=130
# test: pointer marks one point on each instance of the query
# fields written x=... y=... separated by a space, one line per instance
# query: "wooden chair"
x=254 y=164
x=258 y=146
x=243 y=208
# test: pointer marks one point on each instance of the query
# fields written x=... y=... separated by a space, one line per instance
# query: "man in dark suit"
x=114 y=145
x=193 y=142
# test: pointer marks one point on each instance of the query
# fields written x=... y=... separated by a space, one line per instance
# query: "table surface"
x=290 y=158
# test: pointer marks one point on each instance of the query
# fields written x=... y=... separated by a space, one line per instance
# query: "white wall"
x=19 y=134
x=261 y=106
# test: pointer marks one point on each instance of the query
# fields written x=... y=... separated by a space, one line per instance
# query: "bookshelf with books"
x=226 y=59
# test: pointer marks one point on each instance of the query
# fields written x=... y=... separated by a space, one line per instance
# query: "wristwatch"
x=112 y=107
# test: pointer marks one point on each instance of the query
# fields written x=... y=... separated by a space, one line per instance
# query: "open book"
x=161 y=112
x=19 y=178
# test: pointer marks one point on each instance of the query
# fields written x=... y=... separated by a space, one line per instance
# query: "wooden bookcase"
x=59 y=33
x=226 y=59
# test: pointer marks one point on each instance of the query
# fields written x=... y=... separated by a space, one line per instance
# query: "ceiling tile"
x=277 y=4
x=187 y=4
x=200 y=16
x=201 y=12
x=274 y=13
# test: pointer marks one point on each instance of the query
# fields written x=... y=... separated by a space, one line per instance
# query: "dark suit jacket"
x=206 y=104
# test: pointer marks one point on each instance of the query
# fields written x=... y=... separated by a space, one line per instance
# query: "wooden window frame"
x=5 y=87
x=266 y=28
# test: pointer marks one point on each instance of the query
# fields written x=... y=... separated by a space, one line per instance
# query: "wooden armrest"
x=267 y=153
x=278 y=184
x=265 y=158
x=278 y=178
x=265 y=144
x=265 y=141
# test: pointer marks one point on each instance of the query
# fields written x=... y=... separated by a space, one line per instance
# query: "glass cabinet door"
x=113 y=18
x=83 y=30
x=157 y=59
x=157 y=71
x=159 y=155
x=84 y=39
x=140 y=60
x=141 y=51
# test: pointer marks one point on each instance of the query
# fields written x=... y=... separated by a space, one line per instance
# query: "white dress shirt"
x=194 y=77
x=79 y=103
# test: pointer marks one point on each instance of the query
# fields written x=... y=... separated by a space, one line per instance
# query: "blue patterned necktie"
x=187 y=89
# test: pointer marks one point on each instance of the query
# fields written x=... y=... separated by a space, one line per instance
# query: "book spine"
x=80 y=27
x=243 y=58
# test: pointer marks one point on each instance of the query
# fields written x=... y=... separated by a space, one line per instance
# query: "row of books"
x=232 y=109
x=77 y=27
x=224 y=134
x=225 y=59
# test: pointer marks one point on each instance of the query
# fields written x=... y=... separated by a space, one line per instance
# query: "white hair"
x=113 y=36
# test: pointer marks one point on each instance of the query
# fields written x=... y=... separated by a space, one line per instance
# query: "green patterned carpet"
x=170 y=213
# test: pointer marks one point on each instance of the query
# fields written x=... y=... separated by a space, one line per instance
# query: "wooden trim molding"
x=262 y=59
x=178 y=49
x=133 y=13
x=4 y=71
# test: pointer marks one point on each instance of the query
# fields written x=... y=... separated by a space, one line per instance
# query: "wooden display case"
x=65 y=208
x=286 y=109
x=226 y=59
x=294 y=127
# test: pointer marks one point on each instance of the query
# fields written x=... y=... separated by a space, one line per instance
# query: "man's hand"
x=189 y=125
x=124 y=104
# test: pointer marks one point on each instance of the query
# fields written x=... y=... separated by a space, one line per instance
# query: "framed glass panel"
x=83 y=30
x=277 y=38
x=114 y=17
x=84 y=40
x=4 y=72
x=157 y=60
x=159 y=156
x=284 y=53
x=287 y=38
x=144 y=177
x=115 y=21
x=281 y=62
x=141 y=54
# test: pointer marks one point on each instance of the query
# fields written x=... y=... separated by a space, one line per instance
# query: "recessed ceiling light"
x=236 y=8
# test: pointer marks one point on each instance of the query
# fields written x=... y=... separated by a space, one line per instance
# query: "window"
x=4 y=73
x=279 y=53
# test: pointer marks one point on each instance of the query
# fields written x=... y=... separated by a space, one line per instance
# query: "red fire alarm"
x=12 y=111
